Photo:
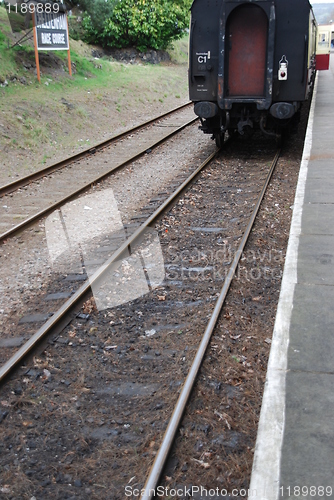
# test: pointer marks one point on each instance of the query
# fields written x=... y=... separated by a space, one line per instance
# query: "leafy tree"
x=138 y=23
x=96 y=14
x=98 y=10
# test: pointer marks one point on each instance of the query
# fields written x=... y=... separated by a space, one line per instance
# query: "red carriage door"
x=247 y=33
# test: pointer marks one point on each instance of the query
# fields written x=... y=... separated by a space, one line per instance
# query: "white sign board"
x=52 y=31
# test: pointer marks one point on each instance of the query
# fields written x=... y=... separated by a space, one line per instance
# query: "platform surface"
x=294 y=454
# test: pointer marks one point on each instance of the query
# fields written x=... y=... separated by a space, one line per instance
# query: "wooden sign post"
x=50 y=31
x=36 y=49
x=69 y=52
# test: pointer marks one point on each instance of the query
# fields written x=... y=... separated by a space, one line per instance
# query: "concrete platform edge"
x=265 y=477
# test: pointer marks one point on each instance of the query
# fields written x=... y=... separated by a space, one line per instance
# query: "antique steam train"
x=251 y=63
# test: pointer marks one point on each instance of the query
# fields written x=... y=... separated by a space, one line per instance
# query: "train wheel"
x=219 y=138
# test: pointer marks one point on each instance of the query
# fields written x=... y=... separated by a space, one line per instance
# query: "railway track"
x=152 y=482
x=27 y=200
x=161 y=330
x=79 y=295
x=24 y=181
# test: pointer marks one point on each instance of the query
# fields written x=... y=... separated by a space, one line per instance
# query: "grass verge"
x=41 y=123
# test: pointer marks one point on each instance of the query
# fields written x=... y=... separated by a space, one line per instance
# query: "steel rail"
x=23 y=181
x=80 y=293
x=151 y=484
x=45 y=211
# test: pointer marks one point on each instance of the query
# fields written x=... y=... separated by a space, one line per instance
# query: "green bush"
x=144 y=24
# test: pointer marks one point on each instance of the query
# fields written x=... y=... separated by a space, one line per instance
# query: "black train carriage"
x=251 y=63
